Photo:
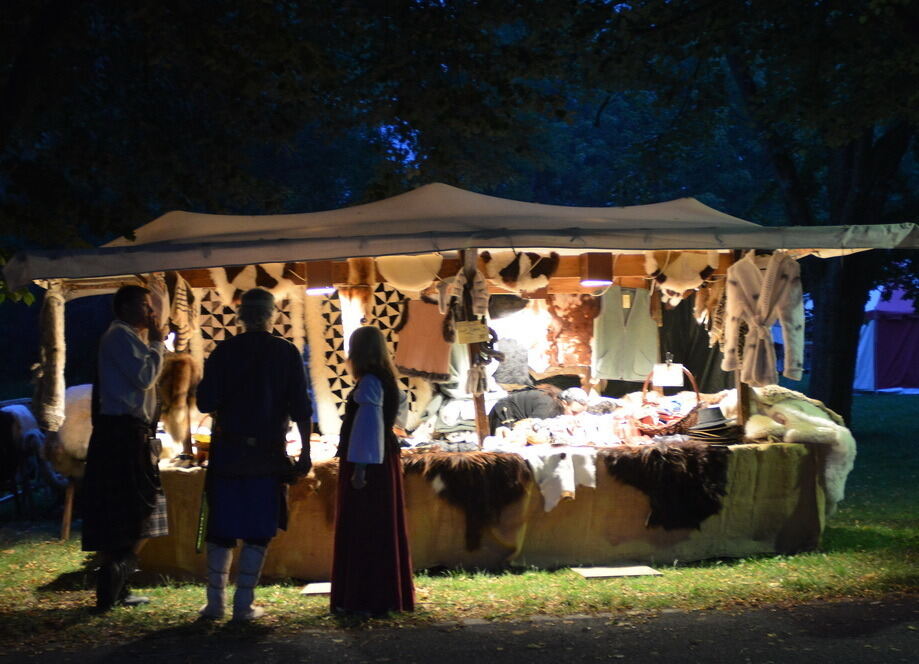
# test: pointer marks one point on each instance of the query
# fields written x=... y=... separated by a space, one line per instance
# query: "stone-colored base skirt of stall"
x=774 y=503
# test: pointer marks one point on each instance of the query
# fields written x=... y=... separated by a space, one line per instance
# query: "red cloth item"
x=372 y=567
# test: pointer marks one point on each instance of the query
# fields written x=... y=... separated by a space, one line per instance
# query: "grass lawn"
x=870 y=548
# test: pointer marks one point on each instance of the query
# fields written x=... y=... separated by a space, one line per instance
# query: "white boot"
x=251 y=559
x=218 y=570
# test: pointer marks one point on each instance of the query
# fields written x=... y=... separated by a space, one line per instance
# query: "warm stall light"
x=319 y=278
x=596 y=269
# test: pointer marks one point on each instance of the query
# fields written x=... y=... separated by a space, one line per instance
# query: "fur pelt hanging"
x=481 y=484
x=684 y=483
x=522 y=272
x=409 y=274
x=231 y=282
x=177 y=384
x=677 y=275
x=66 y=448
x=48 y=373
x=572 y=328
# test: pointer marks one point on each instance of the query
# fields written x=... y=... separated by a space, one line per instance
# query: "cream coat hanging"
x=760 y=291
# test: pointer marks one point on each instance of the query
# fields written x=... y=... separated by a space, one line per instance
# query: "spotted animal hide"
x=675 y=276
x=231 y=282
x=519 y=271
x=481 y=484
x=684 y=483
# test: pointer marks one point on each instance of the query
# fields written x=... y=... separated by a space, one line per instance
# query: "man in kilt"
x=254 y=385
x=123 y=501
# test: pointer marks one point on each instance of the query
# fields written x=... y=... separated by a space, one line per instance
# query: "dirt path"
x=851 y=631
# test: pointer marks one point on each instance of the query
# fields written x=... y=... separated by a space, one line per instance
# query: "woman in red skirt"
x=372 y=566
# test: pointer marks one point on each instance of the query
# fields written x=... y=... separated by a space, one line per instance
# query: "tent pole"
x=67 y=518
x=743 y=399
x=470 y=258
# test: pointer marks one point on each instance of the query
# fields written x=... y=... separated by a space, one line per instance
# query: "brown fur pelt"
x=177 y=383
x=684 y=483
x=572 y=328
x=481 y=484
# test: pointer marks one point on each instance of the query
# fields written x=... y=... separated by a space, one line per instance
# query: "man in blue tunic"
x=254 y=385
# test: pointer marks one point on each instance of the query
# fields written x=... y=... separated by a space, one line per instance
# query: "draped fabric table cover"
x=774 y=504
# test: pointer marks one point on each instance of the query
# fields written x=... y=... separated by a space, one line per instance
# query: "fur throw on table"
x=792 y=417
x=481 y=484
x=684 y=483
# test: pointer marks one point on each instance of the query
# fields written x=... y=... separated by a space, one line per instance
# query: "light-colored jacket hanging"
x=760 y=291
x=626 y=344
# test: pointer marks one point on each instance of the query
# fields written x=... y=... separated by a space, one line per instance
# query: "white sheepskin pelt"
x=805 y=421
x=66 y=448
x=409 y=274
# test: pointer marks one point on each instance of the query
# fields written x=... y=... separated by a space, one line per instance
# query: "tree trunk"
x=839 y=288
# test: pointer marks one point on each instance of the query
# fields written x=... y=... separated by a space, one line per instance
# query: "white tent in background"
x=888 y=345
x=435 y=217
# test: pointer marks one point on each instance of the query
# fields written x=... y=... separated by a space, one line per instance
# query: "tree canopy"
x=774 y=110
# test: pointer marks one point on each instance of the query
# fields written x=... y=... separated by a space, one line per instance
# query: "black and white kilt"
x=122 y=498
x=157 y=524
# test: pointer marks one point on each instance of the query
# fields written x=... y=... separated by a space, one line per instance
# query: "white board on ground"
x=323 y=588
x=607 y=572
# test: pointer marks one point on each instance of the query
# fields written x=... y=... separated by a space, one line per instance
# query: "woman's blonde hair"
x=368 y=354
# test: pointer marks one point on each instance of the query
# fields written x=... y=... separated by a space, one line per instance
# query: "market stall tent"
x=435 y=217
x=888 y=345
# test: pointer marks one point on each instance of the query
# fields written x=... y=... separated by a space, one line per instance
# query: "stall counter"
x=774 y=503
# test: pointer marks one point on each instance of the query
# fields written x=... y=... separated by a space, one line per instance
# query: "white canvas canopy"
x=435 y=217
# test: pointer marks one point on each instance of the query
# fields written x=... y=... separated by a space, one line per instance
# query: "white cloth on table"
x=558 y=471
x=366 y=441
x=128 y=369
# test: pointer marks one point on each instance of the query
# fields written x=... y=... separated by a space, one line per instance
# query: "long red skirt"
x=372 y=567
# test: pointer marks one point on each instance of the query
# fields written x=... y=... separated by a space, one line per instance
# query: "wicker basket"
x=676 y=426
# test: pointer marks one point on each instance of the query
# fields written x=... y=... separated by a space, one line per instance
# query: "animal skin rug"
x=684 y=483
x=481 y=484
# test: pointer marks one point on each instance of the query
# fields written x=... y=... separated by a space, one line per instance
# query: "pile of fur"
x=481 y=484
x=784 y=415
x=684 y=483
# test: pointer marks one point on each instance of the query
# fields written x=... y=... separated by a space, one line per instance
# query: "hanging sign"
x=667 y=375
x=471 y=332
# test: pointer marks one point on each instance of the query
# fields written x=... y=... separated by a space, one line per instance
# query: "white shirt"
x=128 y=369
